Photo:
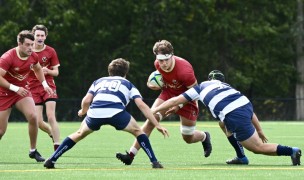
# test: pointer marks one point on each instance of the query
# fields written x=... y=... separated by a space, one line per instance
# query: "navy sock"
x=284 y=150
x=144 y=142
x=237 y=147
x=65 y=146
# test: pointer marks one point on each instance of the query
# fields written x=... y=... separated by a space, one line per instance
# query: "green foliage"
x=250 y=41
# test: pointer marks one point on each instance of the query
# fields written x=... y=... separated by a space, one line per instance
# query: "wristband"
x=180 y=106
x=44 y=84
x=13 y=88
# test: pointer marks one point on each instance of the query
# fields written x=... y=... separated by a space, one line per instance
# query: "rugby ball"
x=156 y=79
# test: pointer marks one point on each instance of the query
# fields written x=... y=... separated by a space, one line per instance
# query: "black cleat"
x=207 y=145
x=296 y=156
x=239 y=161
x=36 y=155
x=125 y=158
x=157 y=164
x=49 y=164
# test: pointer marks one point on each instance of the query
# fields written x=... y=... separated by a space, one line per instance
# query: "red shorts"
x=40 y=95
x=189 y=111
x=8 y=99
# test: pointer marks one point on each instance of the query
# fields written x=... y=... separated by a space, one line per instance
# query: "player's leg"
x=191 y=135
x=27 y=106
x=147 y=127
x=68 y=143
x=4 y=116
x=41 y=123
x=255 y=144
x=143 y=141
x=51 y=115
x=239 y=150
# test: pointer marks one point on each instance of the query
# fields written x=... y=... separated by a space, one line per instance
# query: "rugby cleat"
x=207 y=145
x=36 y=155
x=240 y=161
x=296 y=156
x=157 y=164
x=49 y=164
x=125 y=158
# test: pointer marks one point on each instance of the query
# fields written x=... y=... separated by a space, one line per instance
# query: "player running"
x=178 y=76
x=49 y=61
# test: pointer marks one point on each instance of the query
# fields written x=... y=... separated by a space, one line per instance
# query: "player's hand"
x=151 y=86
x=49 y=90
x=22 y=92
x=163 y=130
x=262 y=137
x=81 y=113
x=172 y=110
x=45 y=70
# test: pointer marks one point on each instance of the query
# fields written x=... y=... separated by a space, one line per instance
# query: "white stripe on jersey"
x=107 y=97
x=232 y=106
x=206 y=90
x=111 y=96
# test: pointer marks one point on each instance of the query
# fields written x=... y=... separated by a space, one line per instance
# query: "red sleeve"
x=5 y=61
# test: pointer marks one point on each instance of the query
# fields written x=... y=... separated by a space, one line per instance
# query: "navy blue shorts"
x=119 y=121
x=239 y=122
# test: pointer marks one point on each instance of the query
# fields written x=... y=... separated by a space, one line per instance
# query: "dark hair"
x=119 y=67
x=41 y=28
x=216 y=75
x=163 y=47
x=25 y=34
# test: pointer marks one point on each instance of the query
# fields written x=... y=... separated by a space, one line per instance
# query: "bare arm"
x=4 y=83
x=40 y=76
x=175 y=101
x=144 y=108
x=85 y=104
x=256 y=124
x=52 y=72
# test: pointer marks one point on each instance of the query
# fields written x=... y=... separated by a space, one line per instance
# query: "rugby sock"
x=133 y=152
x=65 y=146
x=144 y=142
x=284 y=150
x=56 y=146
x=237 y=146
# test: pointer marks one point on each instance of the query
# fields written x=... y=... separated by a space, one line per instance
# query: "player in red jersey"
x=15 y=66
x=178 y=76
x=49 y=62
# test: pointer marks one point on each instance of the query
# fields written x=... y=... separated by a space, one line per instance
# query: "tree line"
x=251 y=42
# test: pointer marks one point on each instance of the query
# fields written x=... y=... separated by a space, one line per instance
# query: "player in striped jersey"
x=235 y=110
x=105 y=104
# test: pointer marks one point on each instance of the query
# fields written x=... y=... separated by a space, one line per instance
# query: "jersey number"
x=110 y=85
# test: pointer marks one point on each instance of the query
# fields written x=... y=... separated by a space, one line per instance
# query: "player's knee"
x=187 y=132
x=31 y=117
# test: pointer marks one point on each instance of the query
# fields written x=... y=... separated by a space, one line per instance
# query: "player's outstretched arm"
x=144 y=108
x=85 y=104
x=175 y=101
x=256 y=124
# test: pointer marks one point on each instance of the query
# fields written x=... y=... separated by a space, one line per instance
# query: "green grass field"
x=94 y=157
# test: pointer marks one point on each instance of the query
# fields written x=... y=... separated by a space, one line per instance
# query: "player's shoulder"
x=49 y=48
x=181 y=61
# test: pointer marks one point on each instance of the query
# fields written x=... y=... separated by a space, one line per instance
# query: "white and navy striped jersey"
x=220 y=98
x=111 y=96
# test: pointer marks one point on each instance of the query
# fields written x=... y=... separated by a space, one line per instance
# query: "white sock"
x=133 y=150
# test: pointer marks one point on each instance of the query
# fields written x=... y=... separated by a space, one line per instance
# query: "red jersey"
x=17 y=68
x=47 y=58
x=181 y=76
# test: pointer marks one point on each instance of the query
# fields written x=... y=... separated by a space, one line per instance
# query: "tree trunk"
x=300 y=64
